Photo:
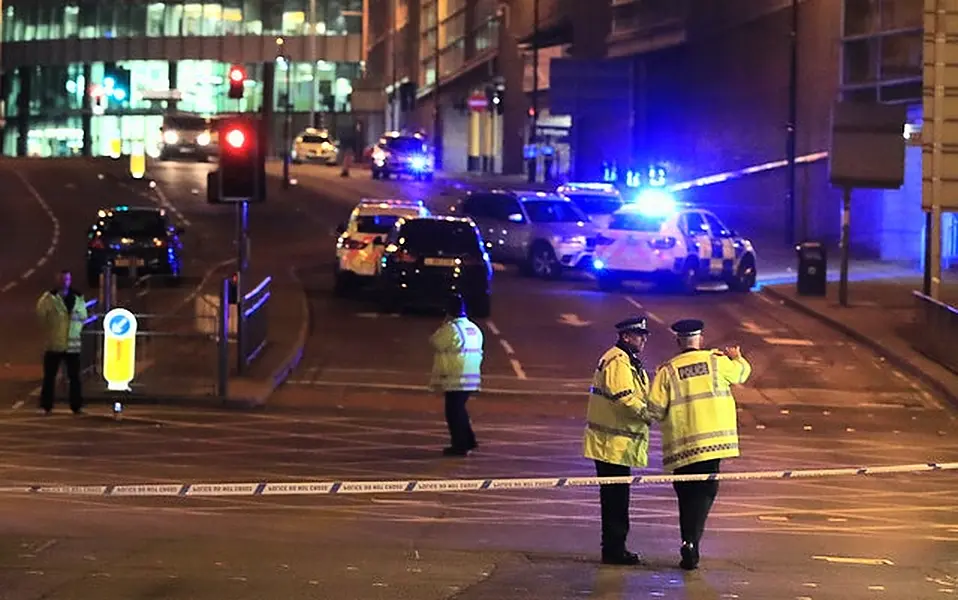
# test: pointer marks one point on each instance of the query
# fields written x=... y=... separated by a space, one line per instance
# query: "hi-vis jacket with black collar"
x=457 y=363
x=617 y=430
x=62 y=317
x=691 y=395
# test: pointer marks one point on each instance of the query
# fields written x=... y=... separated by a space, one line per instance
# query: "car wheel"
x=745 y=276
x=480 y=307
x=543 y=262
x=689 y=277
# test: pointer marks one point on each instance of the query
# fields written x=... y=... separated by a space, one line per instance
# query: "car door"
x=512 y=227
x=723 y=244
x=488 y=213
x=697 y=237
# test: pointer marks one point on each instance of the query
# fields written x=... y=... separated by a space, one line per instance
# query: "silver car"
x=543 y=233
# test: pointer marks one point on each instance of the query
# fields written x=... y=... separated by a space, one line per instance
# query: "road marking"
x=18 y=404
x=573 y=320
x=847 y=560
x=498 y=267
x=517 y=367
x=750 y=327
x=649 y=314
x=492 y=327
x=9 y=286
x=772 y=518
x=54 y=238
x=787 y=342
x=405 y=387
x=28 y=273
x=507 y=347
x=165 y=203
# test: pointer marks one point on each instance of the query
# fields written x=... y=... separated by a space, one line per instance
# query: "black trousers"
x=457 y=419
x=695 y=499
x=51 y=366
x=614 y=500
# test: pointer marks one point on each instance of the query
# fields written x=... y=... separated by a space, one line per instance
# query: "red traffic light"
x=237 y=74
x=236 y=138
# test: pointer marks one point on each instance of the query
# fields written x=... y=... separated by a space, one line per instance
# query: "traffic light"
x=237 y=82
x=242 y=162
x=116 y=83
x=498 y=103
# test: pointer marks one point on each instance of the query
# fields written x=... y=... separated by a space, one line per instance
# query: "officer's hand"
x=733 y=352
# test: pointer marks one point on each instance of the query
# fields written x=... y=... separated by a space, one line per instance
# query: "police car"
x=315 y=145
x=359 y=248
x=655 y=240
x=597 y=200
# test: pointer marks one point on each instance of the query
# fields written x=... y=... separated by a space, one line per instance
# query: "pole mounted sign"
x=119 y=349
x=478 y=102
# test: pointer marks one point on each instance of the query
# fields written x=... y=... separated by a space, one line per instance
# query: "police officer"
x=61 y=312
x=692 y=397
x=456 y=371
x=617 y=432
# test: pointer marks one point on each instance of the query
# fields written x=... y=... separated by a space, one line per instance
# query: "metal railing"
x=937 y=327
x=254 y=326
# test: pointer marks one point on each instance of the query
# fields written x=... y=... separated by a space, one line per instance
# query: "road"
x=355 y=409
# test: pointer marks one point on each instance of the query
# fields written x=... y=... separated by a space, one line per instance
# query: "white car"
x=359 y=248
x=598 y=200
x=654 y=240
x=315 y=145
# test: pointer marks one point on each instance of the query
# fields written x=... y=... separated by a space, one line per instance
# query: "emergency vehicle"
x=597 y=200
x=655 y=239
x=315 y=145
x=358 y=256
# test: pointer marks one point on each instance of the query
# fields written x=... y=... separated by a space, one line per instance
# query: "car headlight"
x=203 y=139
x=170 y=137
x=573 y=239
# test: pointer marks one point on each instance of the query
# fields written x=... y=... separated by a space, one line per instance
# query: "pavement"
x=51 y=203
x=356 y=408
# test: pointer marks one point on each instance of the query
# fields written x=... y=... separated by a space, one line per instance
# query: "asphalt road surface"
x=355 y=410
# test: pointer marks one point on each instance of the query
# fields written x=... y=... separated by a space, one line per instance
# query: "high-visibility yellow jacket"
x=617 y=429
x=691 y=395
x=62 y=326
x=457 y=363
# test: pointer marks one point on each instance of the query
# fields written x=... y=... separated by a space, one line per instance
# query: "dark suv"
x=427 y=259
x=134 y=238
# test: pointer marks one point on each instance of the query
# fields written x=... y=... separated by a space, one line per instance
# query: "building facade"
x=57 y=53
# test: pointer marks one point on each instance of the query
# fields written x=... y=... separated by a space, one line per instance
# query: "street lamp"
x=790 y=150
x=288 y=121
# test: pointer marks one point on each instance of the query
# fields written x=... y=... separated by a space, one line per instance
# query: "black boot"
x=690 y=556
x=621 y=557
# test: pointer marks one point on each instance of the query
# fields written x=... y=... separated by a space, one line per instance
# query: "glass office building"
x=58 y=54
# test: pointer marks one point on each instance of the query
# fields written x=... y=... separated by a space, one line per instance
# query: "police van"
x=359 y=248
x=656 y=240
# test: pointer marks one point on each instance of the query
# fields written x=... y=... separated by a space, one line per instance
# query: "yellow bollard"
x=116 y=148
x=138 y=161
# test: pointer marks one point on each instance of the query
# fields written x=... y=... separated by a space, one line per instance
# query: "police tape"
x=314 y=488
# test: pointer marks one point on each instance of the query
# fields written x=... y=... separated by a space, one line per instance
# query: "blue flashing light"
x=655 y=202
x=109 y=83
x=419 y=163
x=598 y=265
x=119 y=94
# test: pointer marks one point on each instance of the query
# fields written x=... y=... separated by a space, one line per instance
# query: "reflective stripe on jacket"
x=692 y=397
x=62 y=327
x=617 y=431
x=457 y=364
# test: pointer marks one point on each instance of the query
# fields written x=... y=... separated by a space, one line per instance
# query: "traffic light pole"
x=242 y=233
x=287 y=128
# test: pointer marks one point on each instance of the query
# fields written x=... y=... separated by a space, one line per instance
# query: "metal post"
x=535 y=73
x=845 y=242
x=287 y=126
x=223 y=343
x=437 y=113
x=935 y=258
x=927 y=258
x=314 y=92
x=790 y=150
x=396 y=107
x=242 y=228
x=107 y=287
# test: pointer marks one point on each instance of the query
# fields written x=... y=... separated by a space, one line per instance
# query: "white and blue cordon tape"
x=317 y=488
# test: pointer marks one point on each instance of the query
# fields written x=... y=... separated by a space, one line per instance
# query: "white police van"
x=654 y=239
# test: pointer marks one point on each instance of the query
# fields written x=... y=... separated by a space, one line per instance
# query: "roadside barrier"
x=316 y=488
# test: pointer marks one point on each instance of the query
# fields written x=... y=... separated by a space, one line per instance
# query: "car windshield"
x=376 y=223
x=634 y=221
x=405 y=144
x=596 y=204
x=185 y=124
x=135 y=224
x=315 y=139
x=450 y=238
x=553 y=211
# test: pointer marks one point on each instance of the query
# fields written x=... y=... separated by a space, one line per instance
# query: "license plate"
x=186 y=150
x=440 y=262
x=128 y=262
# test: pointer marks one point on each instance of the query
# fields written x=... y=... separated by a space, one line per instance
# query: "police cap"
x=633 y=325
x=687 y=327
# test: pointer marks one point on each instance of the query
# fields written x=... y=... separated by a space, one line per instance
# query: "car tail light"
x=97 y=244
x=405 y=257
x=664 y=243
x=159 y=243
x=354 y=244
x=601 y=240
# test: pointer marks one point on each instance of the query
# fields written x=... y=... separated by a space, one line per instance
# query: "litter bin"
x=812 y=269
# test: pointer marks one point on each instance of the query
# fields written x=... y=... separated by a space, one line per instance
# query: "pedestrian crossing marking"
x=787 y=342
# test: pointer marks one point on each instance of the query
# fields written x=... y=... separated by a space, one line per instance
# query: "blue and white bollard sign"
x=119 y=349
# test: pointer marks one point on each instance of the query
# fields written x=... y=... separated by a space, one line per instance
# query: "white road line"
x=28 y=273
x=165 y=203
x=787 y=342
x=847 y=560
x=18 y=404
x=9 y=286
x=517 y=367
x=649 y=314
x=493 y=328
x=42 y=261
x=507 y=347
x=55 y=238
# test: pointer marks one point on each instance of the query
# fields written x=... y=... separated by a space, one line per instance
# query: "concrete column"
x=86 y=114
x=25 y=75
x=474 y=141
